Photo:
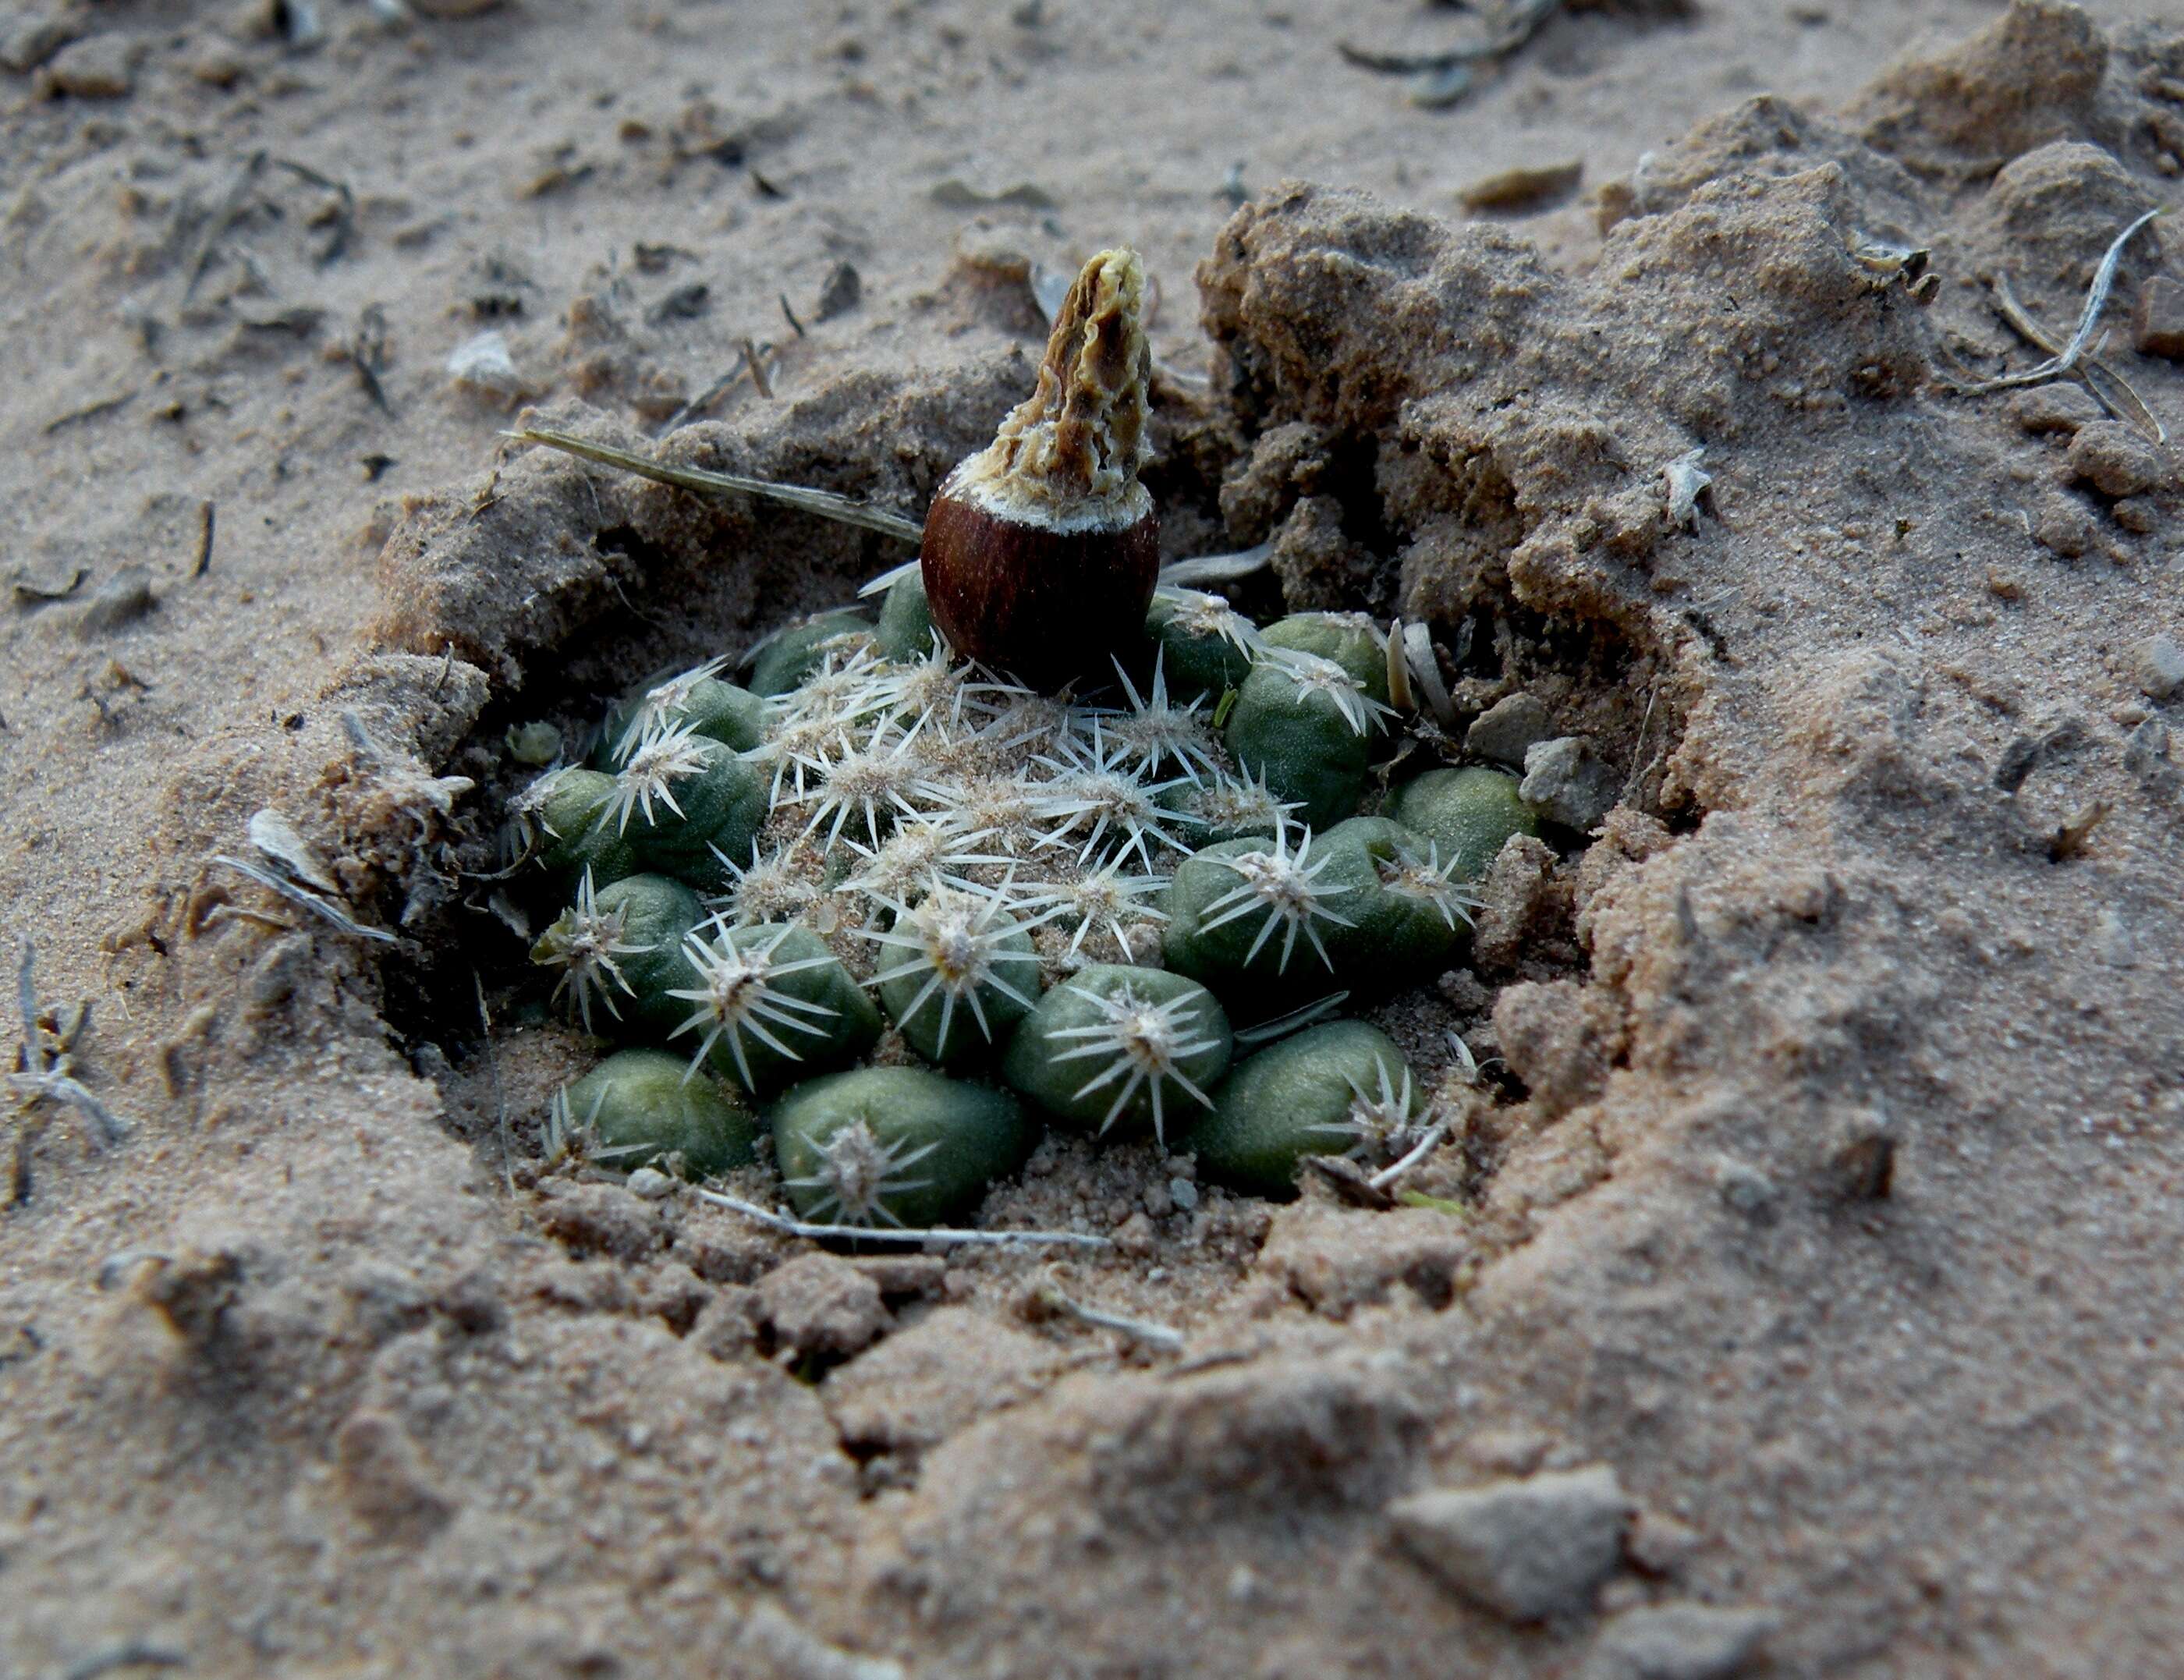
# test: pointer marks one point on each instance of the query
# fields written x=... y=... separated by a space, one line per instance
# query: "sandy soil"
x=1829 y=1194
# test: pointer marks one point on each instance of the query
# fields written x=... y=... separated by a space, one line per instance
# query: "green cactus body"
x=619 y=947
x=1406 y=916
x=567 y=812
x=1250 y=918
x=956 y=974
x=1340 y=1088
x=1226 y=807
x=1351 y=640
x=718 y=710
x=1120 y=1050
x=768 y=1004
x=1300 y=741
x=905 y=628
x=1468 y=814
x=681 y=796
x=1202 y=643
x=638 y=1107
x=794 y=653
x=895 y=1146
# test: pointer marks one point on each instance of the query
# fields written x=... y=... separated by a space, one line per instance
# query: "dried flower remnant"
x=1041 y=551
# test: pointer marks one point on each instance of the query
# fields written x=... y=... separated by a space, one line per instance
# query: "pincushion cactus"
x=1404 y=912
x=1303 y=725
x=770 y=1005
x=620 y=946
x=697 y=699
x=793 y=654
x=895 y=1146
x=639 y=1108
x=1252 y=917
x=1005 y=872
x=1117 y=1049
x=1469 y=814
x=957 y=974
x=1339 y=1088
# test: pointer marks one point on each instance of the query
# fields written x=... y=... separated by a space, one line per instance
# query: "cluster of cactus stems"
x=1061 y=905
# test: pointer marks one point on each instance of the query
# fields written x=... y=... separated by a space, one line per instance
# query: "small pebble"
x=1183 y=1193
x=2115 y=461
x=30 y=39
x=2160 y=328
x=650 y=1184
x=483 y=366
x=1509 y=728
x=1566 y=782
x=98 y=67
x=2158 y=663
x=1679 y=1642
x=2043 y=409
x=1526 y=1549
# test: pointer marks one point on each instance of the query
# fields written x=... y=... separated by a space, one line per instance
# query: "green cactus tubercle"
x=619 y=947
x=1341 y=1088
x=639 y=1108
x=767 y=1006
x=1469 y=814
x=1301 y=725
x=1119 y=1049
x=698 y=698
x=1350 y=640
x=795 y=653
x=896 y=1146
x=565 y=815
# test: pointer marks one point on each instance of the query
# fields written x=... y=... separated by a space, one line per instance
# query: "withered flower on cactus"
x=1041 y=550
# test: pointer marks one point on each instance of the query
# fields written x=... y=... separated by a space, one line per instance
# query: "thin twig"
x=2109 y=388
x=797 y=1227
x=1296 y=1019
x=824 y=503
x=50 y=1080
x=26 y=997
x=705 y=399
x=203 y=563
x=500 y=1094
x=754 y=359
x=2065 y=360
x=104 y=405
x=1137 y=1329
x=309 y=900
x=1638 y=767
x=223 y=217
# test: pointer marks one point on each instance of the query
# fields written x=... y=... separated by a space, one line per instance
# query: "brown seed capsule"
x=1041 y=550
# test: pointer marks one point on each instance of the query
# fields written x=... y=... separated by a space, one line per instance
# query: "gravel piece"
x=98 y=67
x=1509 y=728
x=2158 y=663
x=1566 y=782
x=1678 y=1642
x=2115 y=461
x=2159 y=330
x=2045 y=409
x=1527 y=1550
x=29 y=39
x=483 y=366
